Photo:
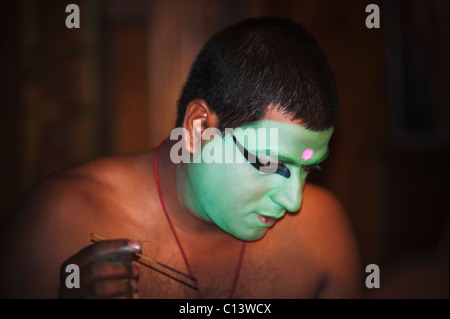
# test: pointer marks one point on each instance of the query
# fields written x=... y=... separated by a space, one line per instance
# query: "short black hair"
x=259 y=62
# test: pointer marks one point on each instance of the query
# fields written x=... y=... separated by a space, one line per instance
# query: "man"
x=234 y=228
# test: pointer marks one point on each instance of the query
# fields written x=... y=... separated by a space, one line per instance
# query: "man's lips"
x=267 y=220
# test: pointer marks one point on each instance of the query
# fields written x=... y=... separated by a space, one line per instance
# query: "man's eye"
x=264 y=162
x=262 y=165
x=283 y=171
x=309 y=168
x=281 y=168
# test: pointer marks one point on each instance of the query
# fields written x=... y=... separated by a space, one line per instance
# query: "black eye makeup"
x=261 y=166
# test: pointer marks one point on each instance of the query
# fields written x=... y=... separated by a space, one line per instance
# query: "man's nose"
x=288 y=193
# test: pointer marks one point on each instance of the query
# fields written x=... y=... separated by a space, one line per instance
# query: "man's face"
x=235 y=194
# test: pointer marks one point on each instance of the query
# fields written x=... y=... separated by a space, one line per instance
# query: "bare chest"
x=272 y=274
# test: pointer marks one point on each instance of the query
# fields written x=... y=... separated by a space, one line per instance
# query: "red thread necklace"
x=241 y=255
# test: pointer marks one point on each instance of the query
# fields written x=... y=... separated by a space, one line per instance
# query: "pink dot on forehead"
x=307 y=154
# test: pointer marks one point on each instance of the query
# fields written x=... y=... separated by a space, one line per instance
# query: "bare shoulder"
x=54 y=219
x=324 y=228
x=83 y=190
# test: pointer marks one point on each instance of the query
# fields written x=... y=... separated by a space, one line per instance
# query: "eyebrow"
x=250 y=157
x=255 y=162
x=253 y=159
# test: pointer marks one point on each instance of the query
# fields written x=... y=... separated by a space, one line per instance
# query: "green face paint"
x=234 y=194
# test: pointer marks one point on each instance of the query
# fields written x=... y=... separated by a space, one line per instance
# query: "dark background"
x=110 y=87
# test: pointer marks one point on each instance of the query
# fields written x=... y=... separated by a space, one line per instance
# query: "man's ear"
x=198 y=117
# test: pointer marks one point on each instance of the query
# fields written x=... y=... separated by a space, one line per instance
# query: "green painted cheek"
x=226 y=194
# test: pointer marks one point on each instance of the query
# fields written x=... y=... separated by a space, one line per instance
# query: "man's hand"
x=105 y=271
